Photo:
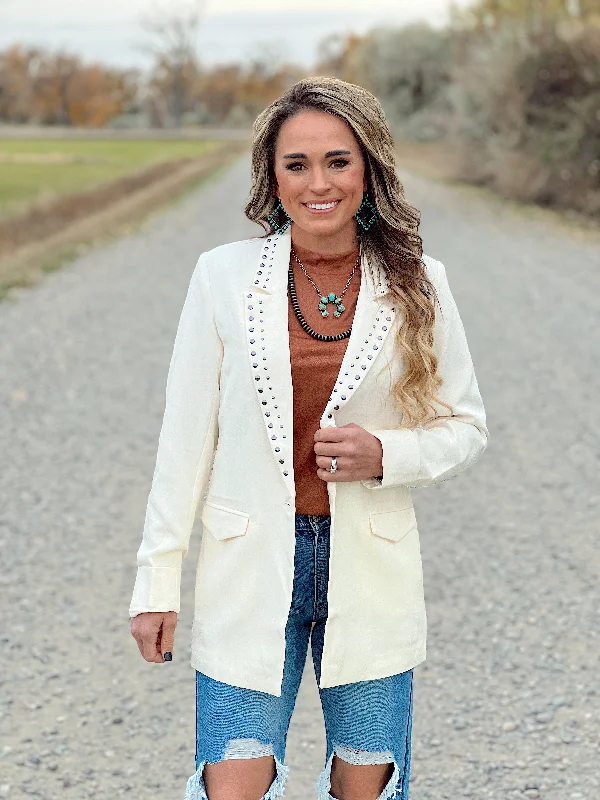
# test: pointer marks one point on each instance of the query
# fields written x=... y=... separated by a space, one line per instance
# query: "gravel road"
x=506 y=704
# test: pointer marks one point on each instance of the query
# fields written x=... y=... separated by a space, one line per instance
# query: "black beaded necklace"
x=320 y=336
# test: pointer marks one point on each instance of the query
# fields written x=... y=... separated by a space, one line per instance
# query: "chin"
x=324 y=226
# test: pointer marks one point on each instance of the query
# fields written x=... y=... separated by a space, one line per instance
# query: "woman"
x=318 y=373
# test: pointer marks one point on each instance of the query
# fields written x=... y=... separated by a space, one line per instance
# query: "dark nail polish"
x=168 y=656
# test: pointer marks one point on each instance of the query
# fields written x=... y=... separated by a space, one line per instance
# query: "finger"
x=167 y=641
x=325 y=462
x=150 y=637
x=332 y=448
x=330 y=477
x=330 y=434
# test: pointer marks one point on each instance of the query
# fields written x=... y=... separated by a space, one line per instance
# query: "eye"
x=341 y=162
x=293 y=166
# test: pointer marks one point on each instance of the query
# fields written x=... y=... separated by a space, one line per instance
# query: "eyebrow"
x=327 y=155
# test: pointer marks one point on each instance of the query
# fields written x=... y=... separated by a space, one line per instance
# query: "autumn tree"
x=171 y=44
x=59 y=89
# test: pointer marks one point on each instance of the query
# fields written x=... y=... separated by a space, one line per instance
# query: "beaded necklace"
x=331 y=298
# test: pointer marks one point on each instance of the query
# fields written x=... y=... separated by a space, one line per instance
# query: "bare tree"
x=171 y=33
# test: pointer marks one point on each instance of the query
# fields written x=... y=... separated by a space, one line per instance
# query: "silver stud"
x=257 y=377
x=277 y=449
x=285 y=473
x=375 y=347
x=370 y=357
x=343 y=397
x=270 y=425
x=255 y=365
x=380 y=338
x=250 y=308
x=273 y=437
x=252 y=341
x=384 y=328
x=267 y=413
x=357 y=377
x=281 y=461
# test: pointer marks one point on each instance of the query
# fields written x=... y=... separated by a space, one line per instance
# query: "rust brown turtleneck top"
x=315 y=364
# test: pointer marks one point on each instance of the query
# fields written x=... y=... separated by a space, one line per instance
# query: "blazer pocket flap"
x=393 y=525
x=224 y=523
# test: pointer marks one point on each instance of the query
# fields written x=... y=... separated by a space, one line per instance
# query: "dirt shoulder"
x=42 y=239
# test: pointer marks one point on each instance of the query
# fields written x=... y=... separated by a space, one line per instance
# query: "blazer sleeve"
x=185 y=450
x=446 y=445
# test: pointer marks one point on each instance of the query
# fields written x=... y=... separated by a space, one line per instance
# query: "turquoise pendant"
x=336 y=301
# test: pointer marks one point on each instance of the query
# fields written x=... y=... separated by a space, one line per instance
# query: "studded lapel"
x=266 y=321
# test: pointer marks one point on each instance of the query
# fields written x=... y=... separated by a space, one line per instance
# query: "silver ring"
x=333 y=466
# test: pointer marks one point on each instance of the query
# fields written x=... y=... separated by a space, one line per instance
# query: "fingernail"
x=168 y=656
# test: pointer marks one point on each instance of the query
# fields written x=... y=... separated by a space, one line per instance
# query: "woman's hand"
x=359 y=454
x=154 y=632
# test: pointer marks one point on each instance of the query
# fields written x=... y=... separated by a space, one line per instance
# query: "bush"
x=527 y=112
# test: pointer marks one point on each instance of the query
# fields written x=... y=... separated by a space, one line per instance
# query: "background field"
x=41 y=170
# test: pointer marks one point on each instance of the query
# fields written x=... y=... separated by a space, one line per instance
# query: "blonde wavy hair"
x=392 y=241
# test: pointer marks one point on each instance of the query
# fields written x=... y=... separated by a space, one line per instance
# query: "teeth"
x=322 y=206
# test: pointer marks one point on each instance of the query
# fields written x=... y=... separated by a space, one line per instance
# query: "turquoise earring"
x=366 y=214
x=279 y=219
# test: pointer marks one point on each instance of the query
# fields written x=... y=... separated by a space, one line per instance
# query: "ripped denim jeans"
x=369 y=722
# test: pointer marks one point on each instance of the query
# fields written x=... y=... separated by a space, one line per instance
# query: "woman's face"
x=320 y=173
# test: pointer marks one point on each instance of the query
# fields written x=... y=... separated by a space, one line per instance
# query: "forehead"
x=314 y=131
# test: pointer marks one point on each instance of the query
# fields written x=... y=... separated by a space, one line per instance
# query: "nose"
x=320 y=182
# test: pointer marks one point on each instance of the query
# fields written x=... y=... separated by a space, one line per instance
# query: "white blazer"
x=226 y=444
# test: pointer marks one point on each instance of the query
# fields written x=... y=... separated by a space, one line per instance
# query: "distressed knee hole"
x=354 y=756
x=241 y=748
x=247 y=748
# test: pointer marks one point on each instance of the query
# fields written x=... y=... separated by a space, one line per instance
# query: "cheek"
x=352 y=181
x=288 y=183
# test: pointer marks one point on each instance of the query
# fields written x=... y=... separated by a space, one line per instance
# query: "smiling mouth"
x=322 y=207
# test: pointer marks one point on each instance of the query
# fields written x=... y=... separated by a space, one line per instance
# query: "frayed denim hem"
x=196 y=789
x=391 y=791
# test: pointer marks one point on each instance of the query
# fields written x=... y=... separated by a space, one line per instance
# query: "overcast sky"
x=232 y=30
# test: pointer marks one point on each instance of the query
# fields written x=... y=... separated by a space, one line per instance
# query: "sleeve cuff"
x=156 y=589
x=401 y=458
